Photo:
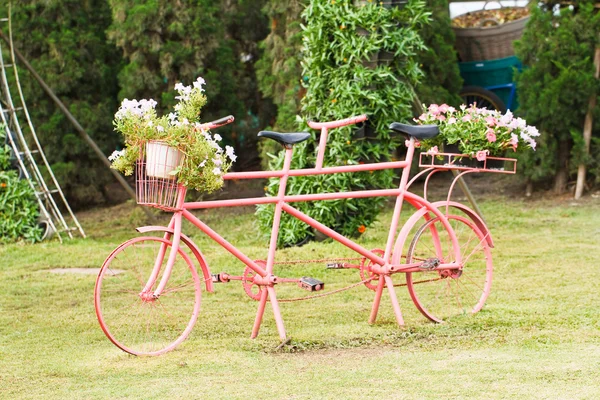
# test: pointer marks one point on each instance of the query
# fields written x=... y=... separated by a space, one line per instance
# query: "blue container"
x=495 y=75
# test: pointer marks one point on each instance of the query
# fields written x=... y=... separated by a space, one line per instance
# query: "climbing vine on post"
x=358 y=58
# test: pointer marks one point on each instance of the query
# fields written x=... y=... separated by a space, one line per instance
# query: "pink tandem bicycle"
x=148 y=291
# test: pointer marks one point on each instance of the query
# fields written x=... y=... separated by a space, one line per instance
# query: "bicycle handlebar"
x=339 y=123
x=218 y=122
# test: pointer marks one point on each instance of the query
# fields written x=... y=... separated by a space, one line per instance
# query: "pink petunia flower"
x=444 y=108
x=490 y=135
x=433 y=151
x=467 y=118
x=491 y=121
x=434 y=109
x=482 y=155
x=441 y=118
x=451 y=120
x=514 y=141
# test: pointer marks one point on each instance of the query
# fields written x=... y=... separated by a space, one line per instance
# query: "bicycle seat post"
x=270 y=292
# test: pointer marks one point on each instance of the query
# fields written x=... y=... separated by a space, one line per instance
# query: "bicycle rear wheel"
x=134 y=321
x=441 y=294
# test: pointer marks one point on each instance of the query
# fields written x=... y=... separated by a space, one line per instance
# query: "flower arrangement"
x=478 y=132
x=203 y=162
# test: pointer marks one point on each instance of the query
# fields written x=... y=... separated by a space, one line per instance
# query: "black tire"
x=483 y=98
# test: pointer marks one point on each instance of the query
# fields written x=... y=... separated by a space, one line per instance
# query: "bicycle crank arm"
x=342 y=265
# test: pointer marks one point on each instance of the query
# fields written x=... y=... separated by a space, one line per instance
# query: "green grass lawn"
x=537 y=337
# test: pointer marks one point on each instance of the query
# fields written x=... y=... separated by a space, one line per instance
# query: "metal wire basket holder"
x=156 y=176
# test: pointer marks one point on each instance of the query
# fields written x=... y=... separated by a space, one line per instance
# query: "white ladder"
x=49 y=195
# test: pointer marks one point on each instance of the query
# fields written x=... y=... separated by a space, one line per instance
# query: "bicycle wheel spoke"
x=187 y=285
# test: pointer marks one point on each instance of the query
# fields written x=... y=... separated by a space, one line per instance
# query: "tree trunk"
x=562 y=172
x=587 y=129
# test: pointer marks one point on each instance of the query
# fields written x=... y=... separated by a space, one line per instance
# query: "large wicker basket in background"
x=488 y=43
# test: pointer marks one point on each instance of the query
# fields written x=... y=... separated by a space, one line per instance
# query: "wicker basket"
x=156 y=186
x=488 y=43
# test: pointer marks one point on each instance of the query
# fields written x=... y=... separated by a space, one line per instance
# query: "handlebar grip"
x=339 y=123
x=220 y=122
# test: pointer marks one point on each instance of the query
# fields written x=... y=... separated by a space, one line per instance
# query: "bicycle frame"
x=382 y=265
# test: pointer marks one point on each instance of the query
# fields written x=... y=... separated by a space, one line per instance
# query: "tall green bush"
x=557 y=50
x=19 y=210
x=341 y=40
x=65 y=42
x=279 y=71
x=165 y=42
x=442 y=81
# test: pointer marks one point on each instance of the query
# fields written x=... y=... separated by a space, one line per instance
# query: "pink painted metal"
x=190 y=244
x=163 y=192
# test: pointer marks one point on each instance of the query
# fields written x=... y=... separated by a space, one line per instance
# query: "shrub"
x=557 y=50
x=19 y=210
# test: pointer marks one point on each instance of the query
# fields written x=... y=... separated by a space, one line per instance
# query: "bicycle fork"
x=148 y=294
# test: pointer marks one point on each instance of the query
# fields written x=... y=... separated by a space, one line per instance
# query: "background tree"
x=341 y=41
x=279 y=71
x=442 y=81
x=557 y=50
x=165 y=42
x=66 y=44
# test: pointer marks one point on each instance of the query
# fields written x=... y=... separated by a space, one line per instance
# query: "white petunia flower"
x=230 y=153
x=218 y=137
x=199 y=83
x=532 y=131
x=116 y=154
x=216 y=171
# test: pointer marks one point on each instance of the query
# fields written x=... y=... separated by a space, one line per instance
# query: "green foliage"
x=341 y=82
x=557 y=49
x=19 y=210
x=442 y=81
x=165 y=42
x=279 y=71
x=66 y=44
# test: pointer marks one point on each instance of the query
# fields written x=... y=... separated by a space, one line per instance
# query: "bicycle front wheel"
x=134 y=320
x=441 y=294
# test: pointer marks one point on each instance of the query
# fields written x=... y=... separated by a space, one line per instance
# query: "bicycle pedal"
x=311 y=284
x=335 y=265
x=222 y=277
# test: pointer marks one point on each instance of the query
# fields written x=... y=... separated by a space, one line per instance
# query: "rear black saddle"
x=416 y=131
x=285 y=139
